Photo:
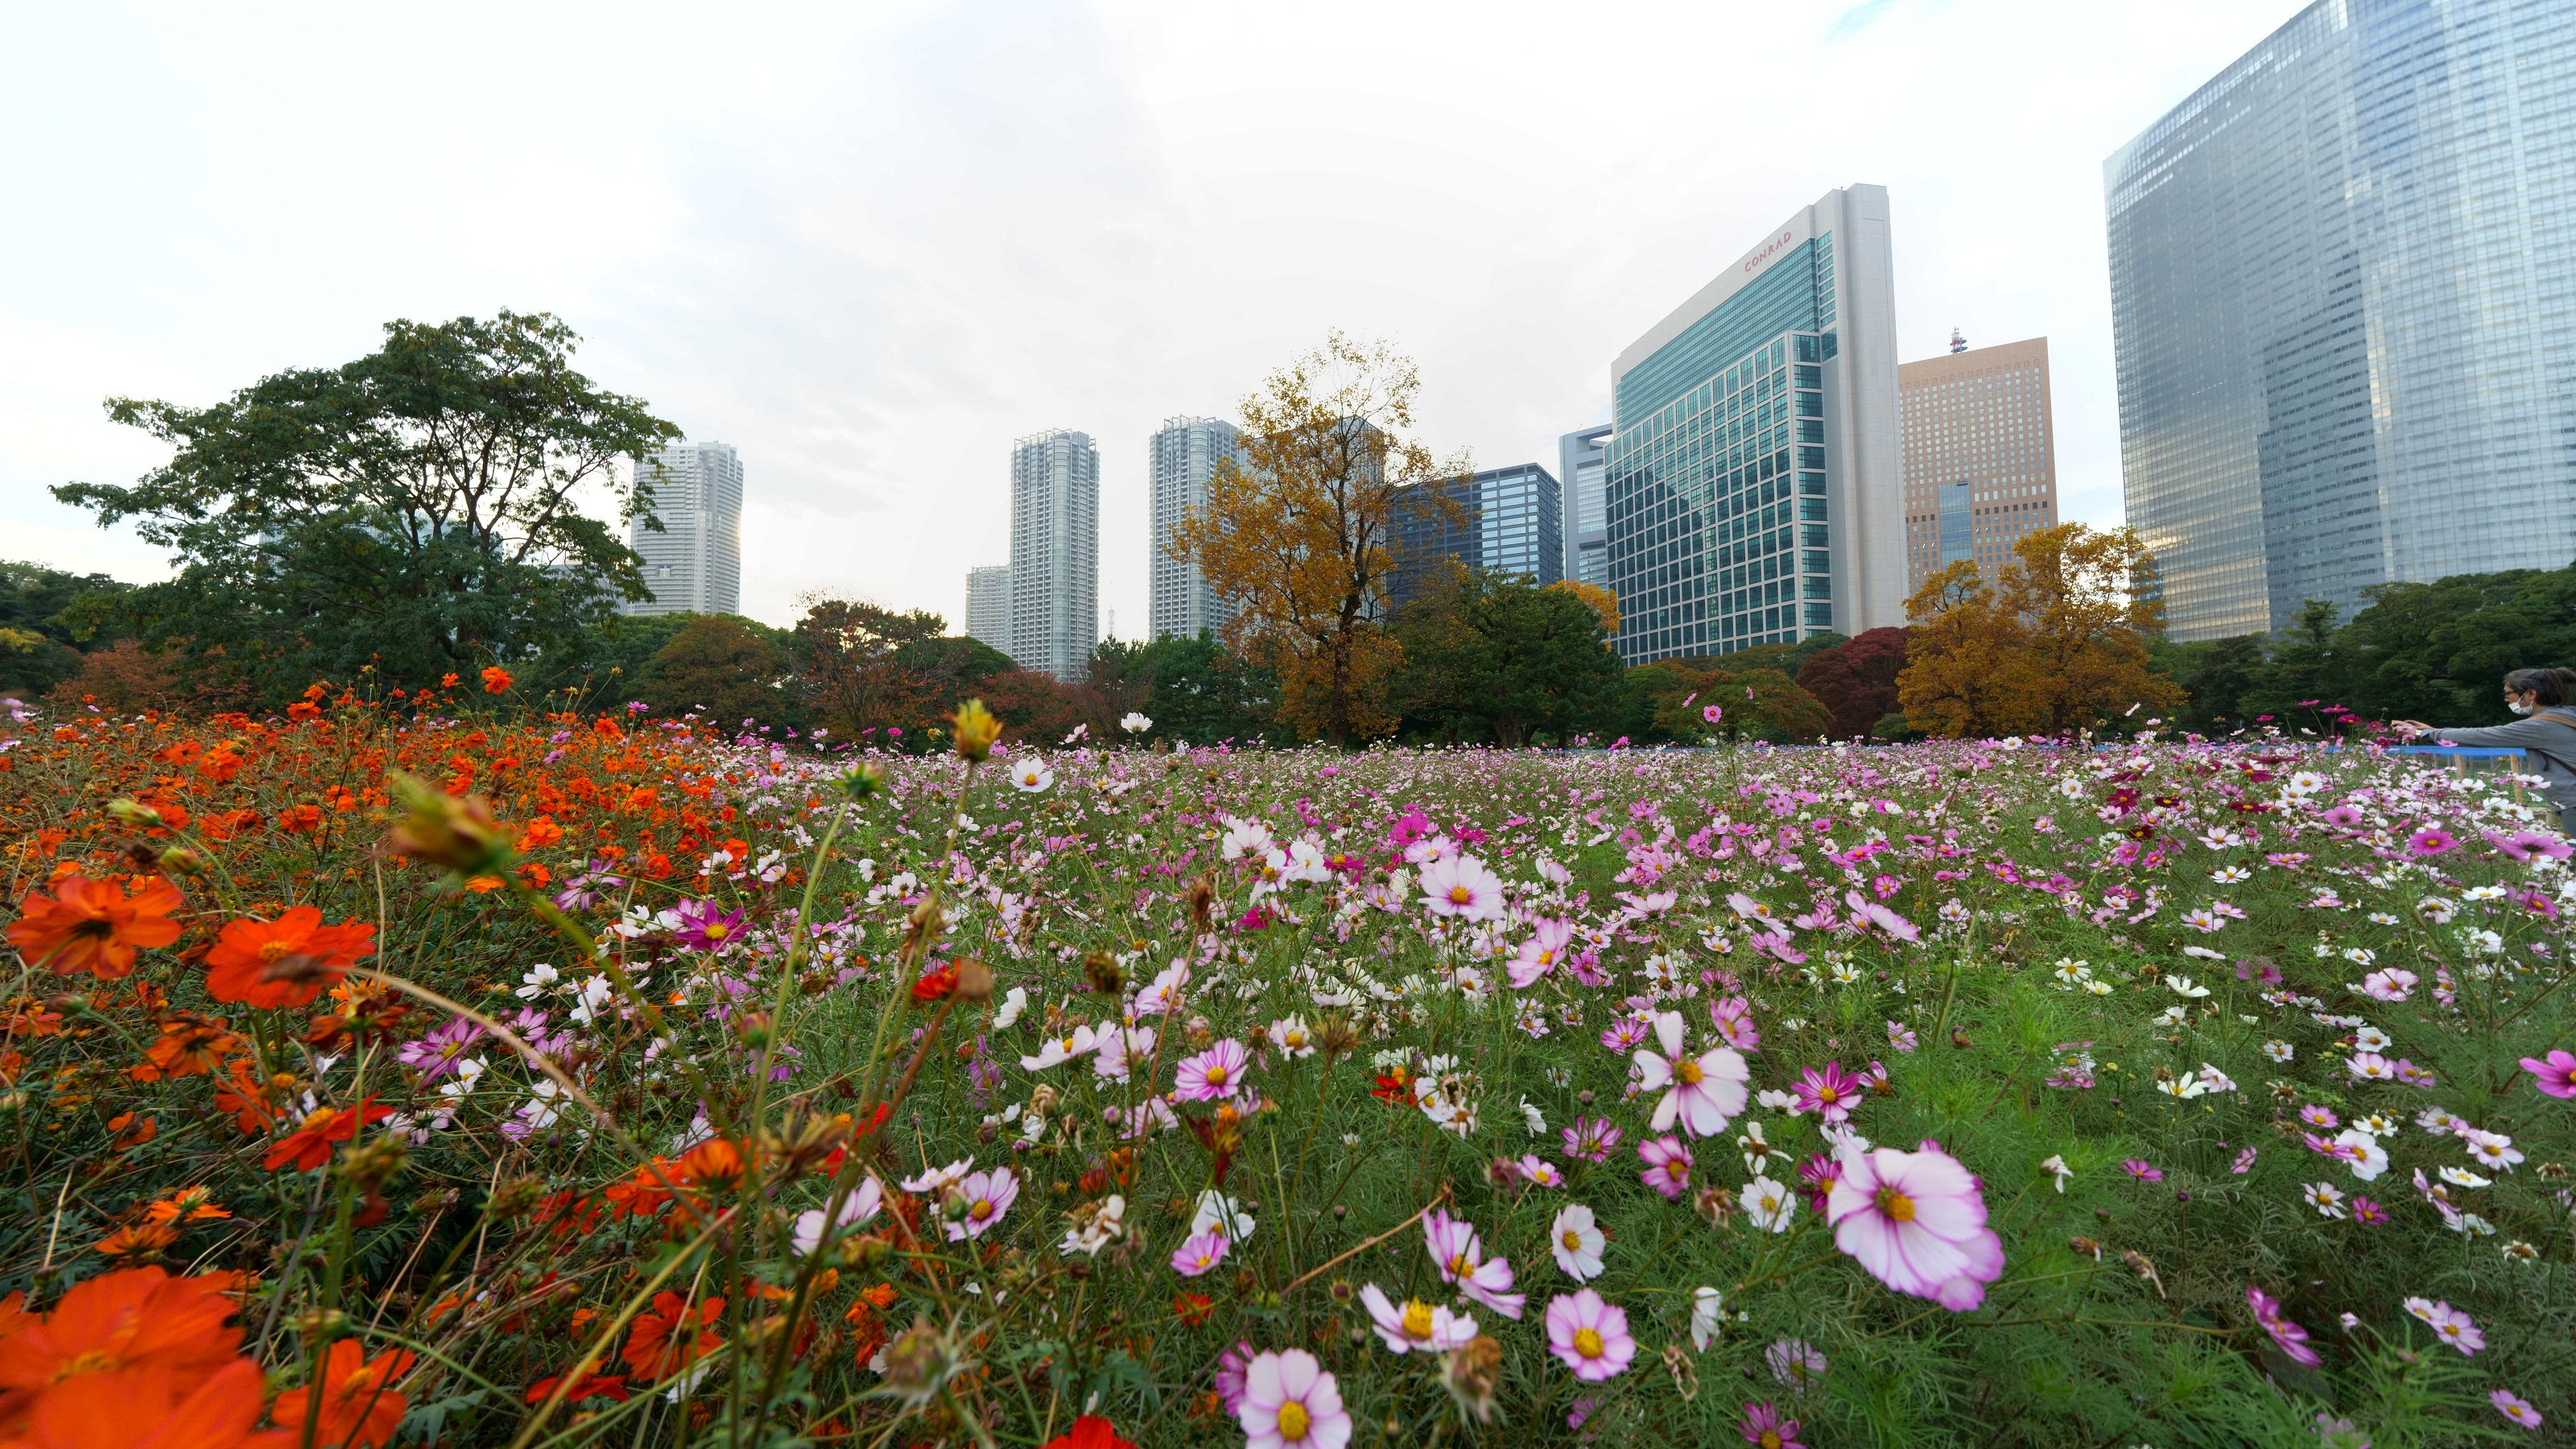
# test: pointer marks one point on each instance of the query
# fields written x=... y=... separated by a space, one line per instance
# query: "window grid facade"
x=1507 y=521
x=988 y=605
x=694 y=565
x=2343 y=287
x=1055 y=553
x=1980 y=456
x=1580 y=460
x=1184 y=455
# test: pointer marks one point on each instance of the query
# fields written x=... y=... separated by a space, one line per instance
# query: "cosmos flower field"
x=445 y=1070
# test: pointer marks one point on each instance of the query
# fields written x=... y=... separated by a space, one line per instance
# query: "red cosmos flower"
x=309 y=1145
x=661 y=1343
x=1089 y=1432
x=137 y=1319
x=588 y=1386
x=1395 y=1086
x=149 y=1407
x=285 y=962
x=359 y=1406
x=93 y=926
x=496 y=680
x=936 y=986
x=1192 y=1308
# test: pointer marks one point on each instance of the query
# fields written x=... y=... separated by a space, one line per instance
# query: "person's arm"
x=2522 y=734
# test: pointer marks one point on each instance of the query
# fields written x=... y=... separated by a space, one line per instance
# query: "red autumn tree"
x=1856 y=680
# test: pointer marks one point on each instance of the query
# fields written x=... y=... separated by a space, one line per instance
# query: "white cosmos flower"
x=860 y=1206
x=1702 y=1092
x=1014 y=1002
x=2185 y=986
x=1219 y=1213
x=1031 y=775
x=1770 y=1204
x=1135 y=723
x=1576 y=1241
x=1708 y=1309
x=1057 y=1050
x=1461 y=886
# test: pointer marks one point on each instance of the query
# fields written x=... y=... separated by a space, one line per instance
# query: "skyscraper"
x=694 y=565
x=1980 y=455
x=1507 y=520
x=1753 y=486
x=988 y=605
x=1184 y=456
x=2342 y=278
x=1055 y=553
x=1579 y=459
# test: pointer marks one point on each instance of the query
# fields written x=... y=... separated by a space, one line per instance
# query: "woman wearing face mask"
x=2546 y=735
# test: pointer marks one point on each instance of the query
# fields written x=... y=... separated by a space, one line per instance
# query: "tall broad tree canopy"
x=439 y=504
x=1299 y=534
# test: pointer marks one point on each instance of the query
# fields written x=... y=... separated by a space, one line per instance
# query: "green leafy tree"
x=420 y=509
x=1200 y=691
x=42 y=639
x=1517 y=659
x=731 y=672
x=863 y=670
x=2215 y=675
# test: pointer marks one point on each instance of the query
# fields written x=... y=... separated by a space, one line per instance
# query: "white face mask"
x=2519 y=708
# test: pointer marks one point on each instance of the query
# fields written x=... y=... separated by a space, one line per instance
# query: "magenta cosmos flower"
x=2557 y=1074
x=1833 y=1092
x=1700 y=1092
x=1214 y=1073
x=1917 y=1222
x=1590 y=1335
x=1461 y=886
x=1289 y=1402
x=1668 y=1166
x=2289 y=1337
x=704 y=925
x=1763 y=1425
x=987 y=1196
x=2449 y=1325
x=1459 y=1255
x=2515 y=1408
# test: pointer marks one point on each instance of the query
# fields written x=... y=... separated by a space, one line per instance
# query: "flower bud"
x=134 y=813
x=864 y=783
x=918 y=1364
x=180 y=860
x=1471 y=1374
x=443 y=830
x=371 y=1164
x=1100 y=969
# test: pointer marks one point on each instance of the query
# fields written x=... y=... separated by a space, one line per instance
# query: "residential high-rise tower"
x=1754 y=485
x=1980 y=455
x=1184 y=455
x=2342 y=278
x=694 y=565
x=988 y=605
x=1055 y=553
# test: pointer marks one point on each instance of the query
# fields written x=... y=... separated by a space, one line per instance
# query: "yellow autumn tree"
x=1960 y=658
x=1298 y=534
x=2085 y=601
x=2059 y=644
x=1603 y=601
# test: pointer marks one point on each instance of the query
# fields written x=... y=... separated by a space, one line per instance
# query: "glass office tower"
x=1580 y=457
x=1055 y=553
x=694 y=565
x=1755 y=488
x=1184 y=454
x=1507 y=520
x=2343 y=278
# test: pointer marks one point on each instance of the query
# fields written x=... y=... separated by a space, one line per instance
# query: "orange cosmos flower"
x=137 y=1242
x=93 y=926
x=285 y=962
x=714 y=1164
x=149 y=1409
x=662 y=1344
x=187 y=1205
x=140 y=1318
x=189 y=1046
x=359 y=1406
x=496 y=680
x=309 y=1145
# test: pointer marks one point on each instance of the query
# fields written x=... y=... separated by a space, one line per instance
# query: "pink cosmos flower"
x=1917 y=1222
x=1591 y=1336
x=2515 y=1408
x=1214 y=1073
x=1733 y=1018
x=2524 y=844
x=1417 y=1325
x=2449 y=1325
x=2142 y=1171
x=1591 y=1138
x=1461 y=886
x=1833 y=1092
x=1700 y=1092
x=2557 y=1075
x=2289 y=1337
x=2370 y=1067
x=2429 y=841
x=1763 y=1426
x=2393 y=984
x=1539 y=1171
x=1459 y=1255
x=1900 y=1037
x=1668 y=1166
x=1230 y=1366
x=987 y=1196
x=1795 y=1361
x=1289 y=1402
x=2244 y=1162
x=1199 y=1254
x=1547 y=946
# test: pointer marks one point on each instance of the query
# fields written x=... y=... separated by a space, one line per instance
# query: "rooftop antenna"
x=1958 y=344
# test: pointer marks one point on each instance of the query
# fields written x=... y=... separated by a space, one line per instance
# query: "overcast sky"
x=871 y=245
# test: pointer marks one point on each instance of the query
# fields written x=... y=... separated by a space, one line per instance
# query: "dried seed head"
x=1471 y=1374
x=1101 y=970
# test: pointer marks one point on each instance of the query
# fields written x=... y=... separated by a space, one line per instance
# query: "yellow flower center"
x=1417 y=1318
x=1770 y=1439
x=1587 y=1342
x=1460 y=895
x=715 y=930
x=1573 y=1241
x=273 y=950
x=1296 y=1040
x=96 y=1361
x=1687 y=1072
x=1293 y=1422
x=1675 y=1170
x=1460 y=1266
x=1828 y=1095
x=1216 y=1073
x=983 y=1209
x=1896 y=1204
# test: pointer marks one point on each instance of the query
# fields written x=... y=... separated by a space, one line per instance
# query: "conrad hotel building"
x=1753 y=479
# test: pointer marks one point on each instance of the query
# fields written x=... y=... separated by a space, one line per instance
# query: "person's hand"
x=2410 y=727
